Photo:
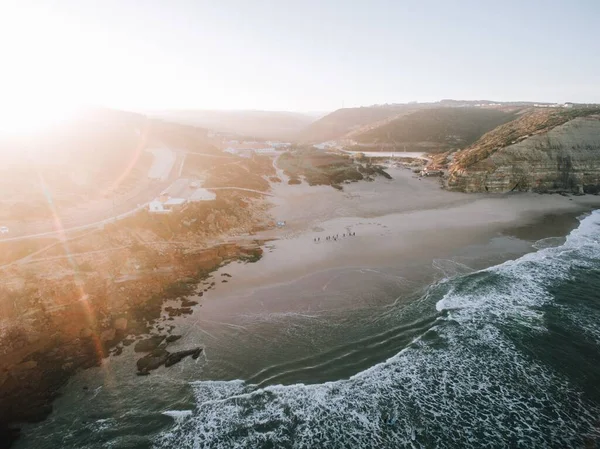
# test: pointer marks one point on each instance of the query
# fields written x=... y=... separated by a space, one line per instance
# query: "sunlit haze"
x=294 y=55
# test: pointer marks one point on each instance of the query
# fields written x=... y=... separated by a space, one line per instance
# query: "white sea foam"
x=549 y=242
x=178 y=415
x=461 y=384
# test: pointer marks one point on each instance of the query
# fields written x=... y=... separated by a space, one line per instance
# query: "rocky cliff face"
x=72 y=323
x=564 y=158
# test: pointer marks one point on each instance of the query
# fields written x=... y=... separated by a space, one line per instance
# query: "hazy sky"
x=297 y=55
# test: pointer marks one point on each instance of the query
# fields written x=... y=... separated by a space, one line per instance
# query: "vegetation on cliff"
x=447 y=127
x=319 y=168
x=342 y=121
x=532 y=122
x=544 y=150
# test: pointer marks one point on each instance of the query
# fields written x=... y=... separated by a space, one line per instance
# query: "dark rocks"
x=177 y=357
x=148 y=344
x=160 y=357
x=30 y=383
x=172 y=338
x=172 y=311
x=226 y=275
x=153 y=360
x=127 y=341
x=9 y=434
x=118 y=350
x=188 y=303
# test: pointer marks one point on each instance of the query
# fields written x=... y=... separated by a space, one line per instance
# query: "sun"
x=21 y=118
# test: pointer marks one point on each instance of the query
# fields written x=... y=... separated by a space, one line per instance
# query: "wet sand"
x=397 y=221
x=314 y=312
x=304 y=296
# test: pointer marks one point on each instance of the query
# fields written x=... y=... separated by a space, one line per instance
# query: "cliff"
x=543 y=151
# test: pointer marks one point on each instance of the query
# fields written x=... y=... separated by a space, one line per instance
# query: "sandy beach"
x=408 y=233
x=322 y=312
x=403 y=220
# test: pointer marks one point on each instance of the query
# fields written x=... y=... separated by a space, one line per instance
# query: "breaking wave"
x=483 y=374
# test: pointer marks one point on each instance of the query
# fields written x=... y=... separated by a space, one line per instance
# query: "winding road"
x=166 y=169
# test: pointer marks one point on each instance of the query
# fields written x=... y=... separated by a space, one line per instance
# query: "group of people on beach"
x=334 y=237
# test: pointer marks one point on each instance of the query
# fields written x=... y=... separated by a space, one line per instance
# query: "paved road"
x=165 y=171
x=392 y=154
x=97 y=213
x=239 y=188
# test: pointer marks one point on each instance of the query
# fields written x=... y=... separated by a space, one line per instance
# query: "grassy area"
x=449 y=127
x=12 y=251
x=248 y=173
x=319 y=168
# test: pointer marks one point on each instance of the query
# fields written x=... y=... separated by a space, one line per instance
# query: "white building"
x=165 y=207
x=156 y=207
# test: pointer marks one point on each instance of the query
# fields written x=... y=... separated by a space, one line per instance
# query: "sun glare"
x=22 y=119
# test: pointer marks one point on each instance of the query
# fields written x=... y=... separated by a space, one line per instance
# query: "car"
x=3 y=230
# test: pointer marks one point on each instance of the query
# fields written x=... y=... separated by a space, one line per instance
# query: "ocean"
x=507 y=356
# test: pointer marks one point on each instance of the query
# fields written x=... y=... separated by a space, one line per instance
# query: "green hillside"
x=448 y=127
x=532 y=122
x=341 y=122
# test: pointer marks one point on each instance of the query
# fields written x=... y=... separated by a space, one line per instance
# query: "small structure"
x=178 y=194
x=202 y=195
x=173 y=203
x=156 y=207
x=242 y=152
x=162 y=206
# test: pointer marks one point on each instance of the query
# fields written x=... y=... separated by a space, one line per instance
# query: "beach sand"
x=395 y=221
x=316 y=312
x=303 y=296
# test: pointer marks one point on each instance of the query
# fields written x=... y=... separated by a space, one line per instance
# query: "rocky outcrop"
x=43 y=346
x=160 y=357
x=564 y=158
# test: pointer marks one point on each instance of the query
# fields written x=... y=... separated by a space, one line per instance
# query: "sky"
x=294 y=55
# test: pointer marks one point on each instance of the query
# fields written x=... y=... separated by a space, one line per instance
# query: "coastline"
x=426 y=221
x=409 y=240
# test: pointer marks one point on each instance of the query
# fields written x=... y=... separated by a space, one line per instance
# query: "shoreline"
x=401 y=242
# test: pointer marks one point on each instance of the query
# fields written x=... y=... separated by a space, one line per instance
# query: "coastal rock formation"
x=148 y=344
x=57 y=332
x=160 y=357
x=530 y=154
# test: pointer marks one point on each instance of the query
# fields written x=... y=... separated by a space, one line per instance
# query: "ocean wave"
x=464 y=382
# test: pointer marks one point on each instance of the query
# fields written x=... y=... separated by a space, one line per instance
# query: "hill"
x=542 y=150
x=96 y=155
x=343 y=121
x=436 y=129
x=363 y=124
x=275 y=125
